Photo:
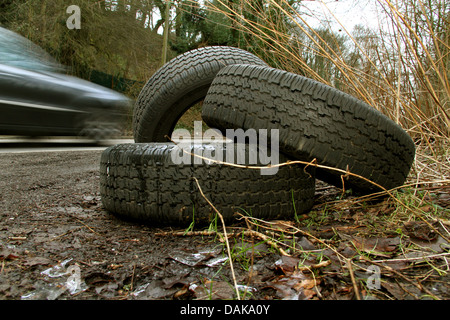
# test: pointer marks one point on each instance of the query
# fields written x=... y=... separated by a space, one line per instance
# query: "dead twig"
x=315 y=266
x=65 y=233
x=424 y=258
x=225 y=236
x=245 y=233
x=17 y=238
x=352 y=277
x=401 y=275
x=92 y=230
x=344 y=174
x=267 y=240
x=188 y=233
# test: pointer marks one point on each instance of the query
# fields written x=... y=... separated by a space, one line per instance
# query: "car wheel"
x=315 y=121
x=146 y=182
x=99 y=127
x=178 y=85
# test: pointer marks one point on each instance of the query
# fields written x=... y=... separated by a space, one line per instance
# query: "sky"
x=348 y=12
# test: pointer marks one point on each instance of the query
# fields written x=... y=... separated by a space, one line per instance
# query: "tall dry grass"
x=401 y=69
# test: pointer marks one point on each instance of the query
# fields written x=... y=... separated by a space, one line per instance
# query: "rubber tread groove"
x=141 y=182
x=315 y=121
x=178 y=85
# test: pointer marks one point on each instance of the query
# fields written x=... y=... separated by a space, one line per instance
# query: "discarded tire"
x=178 y=85
x=315 y=121
x=146 y=182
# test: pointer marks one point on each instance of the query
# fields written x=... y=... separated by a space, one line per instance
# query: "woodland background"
x=402 y=68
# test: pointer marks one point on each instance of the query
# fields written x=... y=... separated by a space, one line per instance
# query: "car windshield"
x=19 y=52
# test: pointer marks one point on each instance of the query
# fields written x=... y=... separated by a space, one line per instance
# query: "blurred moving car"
x=38 y=99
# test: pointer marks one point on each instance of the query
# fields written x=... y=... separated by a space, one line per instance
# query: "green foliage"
x=196 y=25
x=403 y=73
x=189 y=21
x=217 y=29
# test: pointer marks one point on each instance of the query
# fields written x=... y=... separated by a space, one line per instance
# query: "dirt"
x=57 y=242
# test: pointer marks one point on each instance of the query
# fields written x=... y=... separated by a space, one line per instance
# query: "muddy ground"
x=57 y=242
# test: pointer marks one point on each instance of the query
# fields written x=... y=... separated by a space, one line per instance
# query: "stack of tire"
x=314 y=122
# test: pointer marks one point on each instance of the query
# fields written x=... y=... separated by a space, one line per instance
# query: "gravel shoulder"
x=58 y=242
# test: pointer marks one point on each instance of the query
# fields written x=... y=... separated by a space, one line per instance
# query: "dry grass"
x=401 y=69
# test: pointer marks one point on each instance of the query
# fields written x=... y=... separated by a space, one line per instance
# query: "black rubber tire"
x=140 y=181
x=315 y=121
x=178 y=85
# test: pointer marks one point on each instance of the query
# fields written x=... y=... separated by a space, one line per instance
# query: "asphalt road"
x=51 y=144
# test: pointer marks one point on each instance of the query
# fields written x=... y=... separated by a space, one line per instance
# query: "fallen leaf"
x=98 y=279
x=384 y=208
x=156 y=290
x=383 y=247
x=282 y=225
x=420 y=230
x=306 y=244
x=213 y=290
x=404 y=292
x=176 y=281
x=34 y=261
x=444 y=199
x=305 y=284
x=427 y=208
x=181 y=292
x=286 y=264
x=8 y=255
x=307 y=294
x=294 y=286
